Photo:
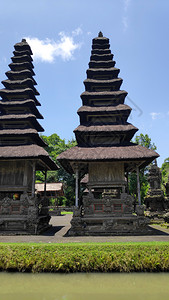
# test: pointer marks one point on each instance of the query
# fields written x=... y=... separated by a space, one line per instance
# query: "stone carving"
x=5 y=205
x=155 y=200
x=128 y=202
x=154 y=178
x=107 y=205
x=167 y=188
x=140 y=210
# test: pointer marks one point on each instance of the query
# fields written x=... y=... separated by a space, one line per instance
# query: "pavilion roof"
x=27 y=152
x=128 y=152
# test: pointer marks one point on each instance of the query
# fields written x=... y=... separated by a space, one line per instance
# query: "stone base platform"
x=16 y=225
x=109 y=226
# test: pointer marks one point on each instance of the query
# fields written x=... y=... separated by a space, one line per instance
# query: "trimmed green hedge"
x=85 y=257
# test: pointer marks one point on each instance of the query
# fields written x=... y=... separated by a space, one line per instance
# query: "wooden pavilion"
x=21 y=149
x=105 y=152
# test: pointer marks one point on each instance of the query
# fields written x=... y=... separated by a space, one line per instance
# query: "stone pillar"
x=77 y=186
x=138 y=186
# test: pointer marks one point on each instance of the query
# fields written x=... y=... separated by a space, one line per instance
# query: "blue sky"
x=60 y=34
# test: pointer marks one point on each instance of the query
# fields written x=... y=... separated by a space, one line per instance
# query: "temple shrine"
x=155 y=200
x=105 y=152
x=21 y=149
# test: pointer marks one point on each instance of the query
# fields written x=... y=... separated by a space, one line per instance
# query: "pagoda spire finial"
x=100 y=34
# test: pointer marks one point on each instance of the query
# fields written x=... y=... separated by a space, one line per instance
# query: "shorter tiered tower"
x=21 y=148
x=105 y=152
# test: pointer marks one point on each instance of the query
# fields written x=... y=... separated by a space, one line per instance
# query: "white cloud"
x=155 y=115
x=125 y=23
x=47 y=49
x=126 y=4
x=125 y=17
x=77 y=31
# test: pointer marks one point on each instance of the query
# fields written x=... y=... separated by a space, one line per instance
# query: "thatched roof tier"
x=19 y=134
x=102 y=64
x=28 y=152
x=112 y=84
x=18 y=93
x=99 y=46
x=130 y=152
x=21 y=53
x=21 y=100
x=106 y=128
x=20 y=84
x=21 y=104
x=105 y=94
x=23 y=118
x=101 y=57
x=111 y=72
x=101 y=51
x=21 y=58
x=23 y=46
x=112 y=109
x=100 y=40
x=21 y=66
x=15 y=75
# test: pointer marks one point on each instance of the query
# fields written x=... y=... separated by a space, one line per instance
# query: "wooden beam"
x=138 y=185
x=77 y=187
x=45 y=183
x=33 y=178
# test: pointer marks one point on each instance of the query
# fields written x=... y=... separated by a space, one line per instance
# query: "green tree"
x=145 y=141
x=165 y=170
x=55 y=146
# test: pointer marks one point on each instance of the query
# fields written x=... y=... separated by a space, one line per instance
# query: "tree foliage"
x=55 y=146
x=165 y=170
x=145 y=141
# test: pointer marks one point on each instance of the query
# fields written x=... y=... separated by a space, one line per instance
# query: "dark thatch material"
x=105 y=94
x=110 y=109
x=11 y=117
x=17 y=74
x=24 y=103
x=101 y=51
x=23 y=46
x=102 y=70
x=24 y=117
x=27 y=152
x=21 y=66
x=20 y=133
x=101 y=64
x=100 y=82
x=99 y=57
x=130 y=152
x=21 y=58
x=6 y=93
x=20 y=84
x=106 y=128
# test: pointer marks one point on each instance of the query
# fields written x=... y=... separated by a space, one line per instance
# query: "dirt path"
x=61 y=225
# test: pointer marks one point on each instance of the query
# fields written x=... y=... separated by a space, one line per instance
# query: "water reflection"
x=16 y=286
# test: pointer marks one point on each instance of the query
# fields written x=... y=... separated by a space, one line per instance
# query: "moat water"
x=82 y=286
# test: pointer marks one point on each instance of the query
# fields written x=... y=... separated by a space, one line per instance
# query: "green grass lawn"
x=66 y=212
x=85 y=257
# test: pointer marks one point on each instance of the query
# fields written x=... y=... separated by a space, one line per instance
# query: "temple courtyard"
x=61 y=225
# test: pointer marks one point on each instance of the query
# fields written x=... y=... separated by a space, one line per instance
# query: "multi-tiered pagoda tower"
x=21 y=148
x=105 y=152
